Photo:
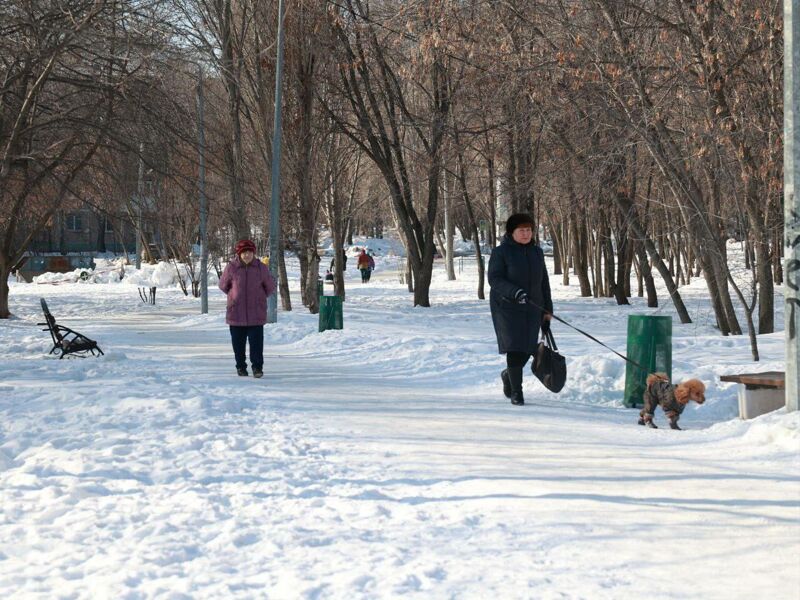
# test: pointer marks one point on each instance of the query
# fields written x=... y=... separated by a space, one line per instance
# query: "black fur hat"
x=518 y=220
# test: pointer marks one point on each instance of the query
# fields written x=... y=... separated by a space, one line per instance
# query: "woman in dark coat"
x=247 y=283
x=517 y=273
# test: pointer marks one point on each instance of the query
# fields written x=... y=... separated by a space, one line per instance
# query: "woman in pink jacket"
x=247 y=283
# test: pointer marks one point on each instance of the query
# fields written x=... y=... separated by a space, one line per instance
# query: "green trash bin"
x=319 y=287
x=330 y=313
x=650 y=345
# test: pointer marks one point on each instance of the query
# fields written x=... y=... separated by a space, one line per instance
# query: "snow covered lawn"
x=380 y=461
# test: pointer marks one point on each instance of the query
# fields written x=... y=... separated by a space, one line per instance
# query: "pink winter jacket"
x=247 y=287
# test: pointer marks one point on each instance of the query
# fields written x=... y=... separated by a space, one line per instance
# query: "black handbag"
x=548 y=365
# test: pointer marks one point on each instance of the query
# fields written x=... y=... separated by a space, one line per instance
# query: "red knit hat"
x=244 y=245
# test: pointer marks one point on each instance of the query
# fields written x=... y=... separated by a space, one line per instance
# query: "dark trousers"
x=240 y=335
x=516 y=362
x=517 y=359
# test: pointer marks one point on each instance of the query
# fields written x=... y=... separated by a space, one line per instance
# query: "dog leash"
x=591 y=337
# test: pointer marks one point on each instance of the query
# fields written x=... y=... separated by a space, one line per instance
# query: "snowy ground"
x=381 y=461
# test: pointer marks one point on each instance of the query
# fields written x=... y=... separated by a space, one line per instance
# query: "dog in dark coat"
x=671 y=398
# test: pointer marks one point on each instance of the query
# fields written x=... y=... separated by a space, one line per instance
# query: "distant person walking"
x=371 y=260
x=343 y=256
x=363 y=265
x=517 y=273
x=247 y=283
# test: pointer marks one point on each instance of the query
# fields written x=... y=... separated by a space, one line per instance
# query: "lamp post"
x=139 y=194
x=275 y=206
x=201 y=184
x=791 y=166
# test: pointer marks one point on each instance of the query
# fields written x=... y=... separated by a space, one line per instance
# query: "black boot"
x=241 y=372
x=506 y=383
x=515 y=378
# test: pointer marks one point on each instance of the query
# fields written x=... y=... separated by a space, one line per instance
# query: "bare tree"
x=63 y=68
x=387 y=119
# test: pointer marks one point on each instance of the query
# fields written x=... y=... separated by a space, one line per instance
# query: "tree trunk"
x=311 y=295
x=231 y=71
x=720 y=262
x=649 y=283
x=595 y=253
x=511 y=158
x=579 y=255
x=628 y=269
x=334 y=209
x=639 y=275
x=766 y=289
x=556 y=251
x=748 y=311
x=564 y=231
x=473 y=223
x=610 y=286
x=492 y=203
x=302 y=260
x=308 y=206
x=283 y=280
x=710 y=274
x=623 y=268
x=5 y=273
x=338 y=267
x=777 y=258
x=101 y=219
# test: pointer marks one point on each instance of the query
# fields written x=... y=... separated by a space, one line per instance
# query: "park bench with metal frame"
x=65 y=340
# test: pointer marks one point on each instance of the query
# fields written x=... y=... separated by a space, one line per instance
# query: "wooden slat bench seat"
x=759 y=393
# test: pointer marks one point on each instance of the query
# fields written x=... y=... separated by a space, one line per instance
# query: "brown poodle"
x=671 y=398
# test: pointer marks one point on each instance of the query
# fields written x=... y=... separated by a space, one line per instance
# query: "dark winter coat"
x=661 y=393
x=514 y=267
x=247 y=287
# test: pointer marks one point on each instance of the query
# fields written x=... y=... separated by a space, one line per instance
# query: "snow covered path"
x=376 y=462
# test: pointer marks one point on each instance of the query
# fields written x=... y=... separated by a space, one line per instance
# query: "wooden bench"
x=759 y=393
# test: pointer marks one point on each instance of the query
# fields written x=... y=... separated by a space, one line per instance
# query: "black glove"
x=545 y=326
x=521 y=296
